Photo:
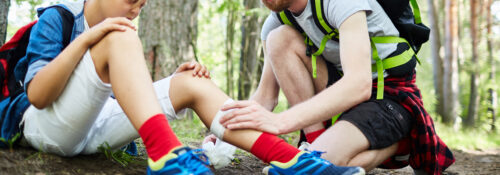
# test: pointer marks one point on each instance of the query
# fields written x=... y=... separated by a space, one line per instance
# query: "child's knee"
x=121 y=37
x=186 y=81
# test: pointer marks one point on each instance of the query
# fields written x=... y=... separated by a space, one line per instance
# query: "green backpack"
x=408 y=22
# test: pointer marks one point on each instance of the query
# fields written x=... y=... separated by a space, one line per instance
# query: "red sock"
x=158 y=137
x=310 y=137
x=269 y=148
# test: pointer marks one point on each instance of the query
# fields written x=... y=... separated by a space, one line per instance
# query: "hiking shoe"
x=181 y=161
x=310 y=163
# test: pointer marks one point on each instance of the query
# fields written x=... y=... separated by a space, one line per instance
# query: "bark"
x=230 y=32
x=437 y=60
x=250 y=45
x=474 y=74
x=491 y=91
x=450 y=80
x=4 y=12
x=168 y=31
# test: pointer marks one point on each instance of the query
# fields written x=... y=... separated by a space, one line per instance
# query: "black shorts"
x=383 y=122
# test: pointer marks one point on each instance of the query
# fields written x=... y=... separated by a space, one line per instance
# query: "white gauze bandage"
x=217 y=129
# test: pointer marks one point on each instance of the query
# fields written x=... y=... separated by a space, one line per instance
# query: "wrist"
x=84 y=40
x=285 y=125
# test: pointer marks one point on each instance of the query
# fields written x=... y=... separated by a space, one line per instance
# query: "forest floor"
x=30 y=161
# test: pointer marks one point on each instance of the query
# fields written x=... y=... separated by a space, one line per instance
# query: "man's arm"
x=267 y=92
x=353 y=88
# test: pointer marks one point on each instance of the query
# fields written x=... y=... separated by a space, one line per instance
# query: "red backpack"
x=15 y=49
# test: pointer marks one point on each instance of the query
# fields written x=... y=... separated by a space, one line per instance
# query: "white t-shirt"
x=336 y=12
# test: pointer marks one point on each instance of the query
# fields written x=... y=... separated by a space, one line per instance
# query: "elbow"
x=36 y=100
x=363 y=88
x=39 y=104
x=366 y=92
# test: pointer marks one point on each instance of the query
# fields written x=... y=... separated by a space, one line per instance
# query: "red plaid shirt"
x=427 y=151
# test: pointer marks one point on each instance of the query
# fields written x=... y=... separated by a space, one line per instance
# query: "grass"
x=189 y=130
x=10 y=142
x=467 y=139
x=119 y=156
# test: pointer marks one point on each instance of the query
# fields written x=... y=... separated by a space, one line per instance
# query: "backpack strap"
x=320 y=20
x=286 y=17
x=68 y=20
x=416 y=11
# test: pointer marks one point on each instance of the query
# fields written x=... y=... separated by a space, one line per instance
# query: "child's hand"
x=97 y=32
x=198 y=69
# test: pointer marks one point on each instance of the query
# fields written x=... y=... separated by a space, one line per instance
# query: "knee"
x=120 y=38
x=340 y=162
x=283 y=39
x=187 y=82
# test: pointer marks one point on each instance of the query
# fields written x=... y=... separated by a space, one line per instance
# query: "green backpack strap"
x=416 y=11
x=330 y=32
x=286 y=17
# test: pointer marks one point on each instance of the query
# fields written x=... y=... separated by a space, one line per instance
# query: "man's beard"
x=277 y=5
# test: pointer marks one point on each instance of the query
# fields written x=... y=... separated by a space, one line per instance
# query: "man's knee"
x=282 y=39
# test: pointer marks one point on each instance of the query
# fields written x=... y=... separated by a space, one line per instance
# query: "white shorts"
x=85 y=116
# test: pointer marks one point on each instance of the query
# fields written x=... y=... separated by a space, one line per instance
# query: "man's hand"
x=97 y=32
x=198 y=69
x=251 y=115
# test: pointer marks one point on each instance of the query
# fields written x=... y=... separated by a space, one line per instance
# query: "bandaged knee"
x=216 y=128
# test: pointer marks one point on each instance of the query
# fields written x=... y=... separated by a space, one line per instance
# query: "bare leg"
x=119 y=60
x=370 y=159
x=350 y=149
x=206 y=99
x=292 y=68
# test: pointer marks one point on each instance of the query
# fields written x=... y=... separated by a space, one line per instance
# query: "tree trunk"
x=250 y=46
x=230 y=32
x=437 y=60
x=450 y=79
x=474 y=74
x=491 y=60
x=168 y=32
x=4 y=12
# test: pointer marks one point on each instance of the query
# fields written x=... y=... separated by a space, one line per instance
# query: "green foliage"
x=33 y=4
x=119 y=156
x=38 y=155
x=189 y=130
x=468 y=139
x=10 y=142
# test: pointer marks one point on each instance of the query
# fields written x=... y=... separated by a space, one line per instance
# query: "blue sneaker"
x=310 y=163
x=181 y=161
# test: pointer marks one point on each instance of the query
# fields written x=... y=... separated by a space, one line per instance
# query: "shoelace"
x=193 y=160
x=314 y=154
x=317 y=153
